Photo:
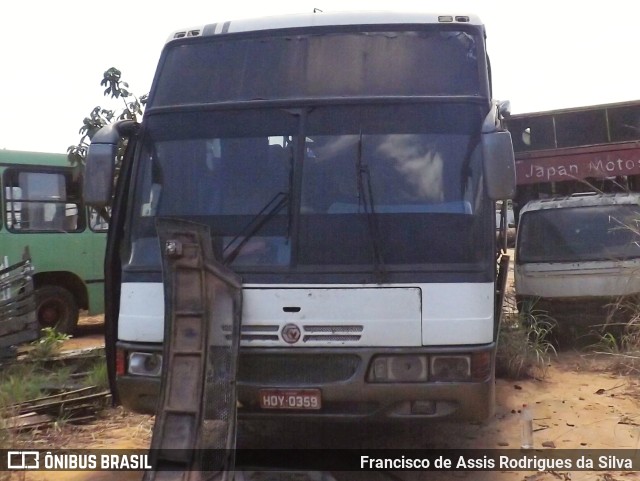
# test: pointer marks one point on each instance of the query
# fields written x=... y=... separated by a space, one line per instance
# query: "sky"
x=545 y=55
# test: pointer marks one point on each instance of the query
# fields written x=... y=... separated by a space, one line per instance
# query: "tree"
x=133 y=109
x=99 y=117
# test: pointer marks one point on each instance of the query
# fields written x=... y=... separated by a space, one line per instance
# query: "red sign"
x=577 y=163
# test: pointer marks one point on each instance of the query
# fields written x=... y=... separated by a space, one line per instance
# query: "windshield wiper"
x=268 y=212
x=366 y=196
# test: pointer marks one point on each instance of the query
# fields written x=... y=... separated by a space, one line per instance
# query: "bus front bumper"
x=341 y=381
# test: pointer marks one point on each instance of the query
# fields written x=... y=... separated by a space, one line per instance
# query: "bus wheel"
x=56 y=307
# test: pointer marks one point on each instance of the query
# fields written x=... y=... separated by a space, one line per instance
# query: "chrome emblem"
x=291 y=333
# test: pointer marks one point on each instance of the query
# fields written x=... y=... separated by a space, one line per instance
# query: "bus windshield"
x=594 y=233
x=384 y=181
x=444 y=60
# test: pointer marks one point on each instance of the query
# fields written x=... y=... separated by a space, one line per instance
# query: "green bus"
x=44 y=217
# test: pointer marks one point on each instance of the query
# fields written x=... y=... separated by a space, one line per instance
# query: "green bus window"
x=97 y=223
x=41 y=202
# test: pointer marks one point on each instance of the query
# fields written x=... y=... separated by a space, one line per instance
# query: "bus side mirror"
x=100 y=164
x=499 y=165
x=98 y=174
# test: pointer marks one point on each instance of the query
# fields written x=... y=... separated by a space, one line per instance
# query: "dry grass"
x=619 y=343
x=524 y=348
x=114 y=428
x=43 y=374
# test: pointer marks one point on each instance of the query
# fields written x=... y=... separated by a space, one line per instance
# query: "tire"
x=56 y=307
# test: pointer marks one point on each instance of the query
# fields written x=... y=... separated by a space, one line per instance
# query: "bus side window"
x=98 y=223
x=13 y=208
x=41 y=201
x=70 y=221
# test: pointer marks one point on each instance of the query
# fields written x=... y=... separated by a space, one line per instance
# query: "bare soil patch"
x=89 y=334
x=581 y=403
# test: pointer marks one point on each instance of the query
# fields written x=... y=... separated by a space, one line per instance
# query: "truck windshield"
x=605 y=232
x=421 y=184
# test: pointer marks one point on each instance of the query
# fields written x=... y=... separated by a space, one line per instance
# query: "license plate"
x=290 y=399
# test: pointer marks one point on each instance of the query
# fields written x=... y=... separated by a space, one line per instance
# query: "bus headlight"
x=402 y=368
x=145 y=364
x=450 y=368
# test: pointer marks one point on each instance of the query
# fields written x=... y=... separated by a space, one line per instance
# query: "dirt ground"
x=581 y=403
x=90 y=334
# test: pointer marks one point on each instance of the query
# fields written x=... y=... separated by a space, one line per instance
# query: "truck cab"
x=578 y=256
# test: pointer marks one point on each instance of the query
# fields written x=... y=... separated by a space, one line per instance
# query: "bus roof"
x=21 y=157
x=324 y=19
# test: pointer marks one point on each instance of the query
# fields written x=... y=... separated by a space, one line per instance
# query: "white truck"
x=578 y=256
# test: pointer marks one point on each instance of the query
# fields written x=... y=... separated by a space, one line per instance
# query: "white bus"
x=348 y=167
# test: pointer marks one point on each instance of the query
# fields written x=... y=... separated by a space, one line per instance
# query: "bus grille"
x=310 y=333
x=279 y=369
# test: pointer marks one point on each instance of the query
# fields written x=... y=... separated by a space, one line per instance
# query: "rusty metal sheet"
x=195 y=429
x=18 y=320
